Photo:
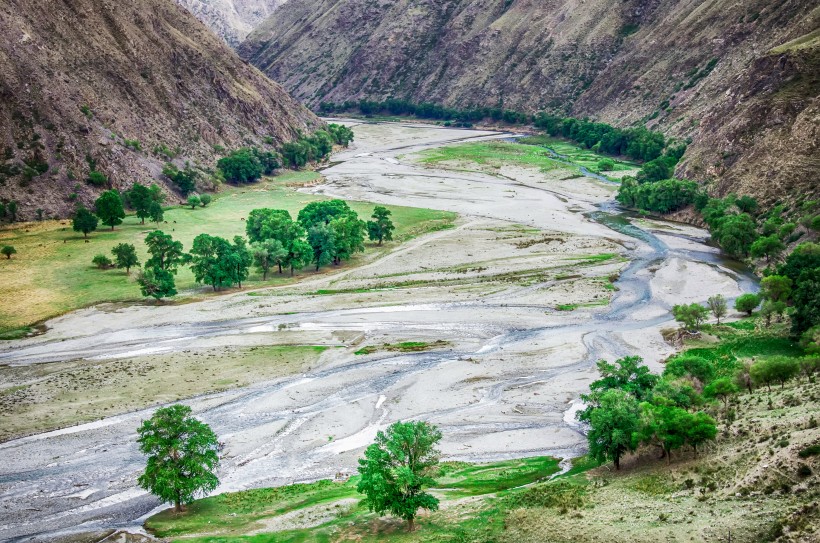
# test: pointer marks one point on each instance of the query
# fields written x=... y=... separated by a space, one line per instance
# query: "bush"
x=560 y=494
x=747 y=303
x=606 y=165
x=185 y=179
x=661 y=197
x=241 y=166
x=811 y=450
x=205 y=199
x=8 y=250
x=102 y=261
x=98 y=179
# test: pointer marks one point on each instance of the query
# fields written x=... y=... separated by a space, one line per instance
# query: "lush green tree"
x=241 y=166
x=267 y=254
x=612 y=425
x=194 y=201
x=692 y=316
x=84 y=221
x=700 y=429
x=8 y=250
x=109 y=208
x=772 y=309
x=717 y=305
x=341 y=134
x=166 y=254
x=348 y=237
x=11 y=210
x=721 y=388
x=156 y=282
x=806 y=301
x=209 y=261
x=768 y=246
x=182 y=456
x=694 y=366
x=322 y=243
x=240 y=260
x=266 y=223
x=747 y=204
x=381 y=227
x=736 y=234
x=140 y=199
x=676 y=391
x=156 y=212
x=810 y=340
x=627 y=374
x=665 y=426
x=774 y=369
x=98 y=179
x=102 y=261
x=396 y=469
x=185 y=180
x=747 y=303
x=125 y=256
x=661 y=197
x=156 y=193
x=323 y=212
x=776 y=288
x=300 y=254
x=205 y=199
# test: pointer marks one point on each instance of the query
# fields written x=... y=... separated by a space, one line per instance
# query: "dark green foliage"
x=268 y=253
x=11 y=211
x=736 y=234
x=266 y=223
x=102 y=261
x=241 y=166
x=776 y=288
x=607 y=165
x=155 y=212
x=397 y=468
x=217 y=262
x=613 y=422
x=721 y=389
x=627 y=374
x=657 y=170
x=689 y=365
x=348 y=237
x=182 y=455
x=767 y=246
x=775 y=369
x=109 y=208
x=806 y=301
x=746 y=204
x=747 y=303
x=323 y=212
x=194 y=201
x=341 y=134
x=296 y=154
x=692 y=316
x=139 y=198
x=8 y=250
x=166 y=254
x=381 y=227
x=660 y=197
x=98 y=179
x=205 y=199
x=84 y=221
x=156 y=283
x=811 y=450
x=321 y=239
x=125 y=256
x=185 y=179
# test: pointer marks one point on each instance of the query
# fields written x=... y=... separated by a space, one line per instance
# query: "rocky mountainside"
x=738 y=78
x=233 y=20
x=121 y=87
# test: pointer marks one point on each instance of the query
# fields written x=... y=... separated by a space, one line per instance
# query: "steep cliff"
x=718 y=72
x=121 y=87
x=232 y=20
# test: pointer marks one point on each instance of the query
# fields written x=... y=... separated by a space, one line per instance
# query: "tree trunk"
x=280 y=267
x=410 y=524
x=617 y=462
x=265 y=275
x=291 y=271
x=668 y=457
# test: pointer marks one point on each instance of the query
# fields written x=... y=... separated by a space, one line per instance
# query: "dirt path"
x=490 y=287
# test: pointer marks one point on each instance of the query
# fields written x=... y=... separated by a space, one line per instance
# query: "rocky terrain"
x=740 y=79
x=121 y=88
x=233 y=20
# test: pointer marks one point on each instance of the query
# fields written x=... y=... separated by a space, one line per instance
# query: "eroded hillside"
x=738 y=78
x=121 y=87
x=233 y=20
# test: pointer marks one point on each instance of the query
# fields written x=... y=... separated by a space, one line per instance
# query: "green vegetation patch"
x=404 y=347
x=494 y=154
x=461 y=479
x=580 y=156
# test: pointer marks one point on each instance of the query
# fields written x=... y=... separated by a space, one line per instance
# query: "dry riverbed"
x=513 y=306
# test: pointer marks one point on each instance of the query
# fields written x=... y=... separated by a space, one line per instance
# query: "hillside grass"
x=52 y=273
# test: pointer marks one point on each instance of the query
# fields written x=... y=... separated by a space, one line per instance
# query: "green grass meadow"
x=52 y=272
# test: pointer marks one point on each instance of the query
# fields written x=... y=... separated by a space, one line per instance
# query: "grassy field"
x=494 y=154
x=44 y=397
x=225 y=518
x=52 y=273
x=578 y=155
x=403 y=347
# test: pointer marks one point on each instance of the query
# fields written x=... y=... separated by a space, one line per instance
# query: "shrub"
x=102 y=261
x=606 y=165
x=241 y=166
x=811 y=450
x=205 y=199
x=747 y=303
x=98 y=179
x=8 y=250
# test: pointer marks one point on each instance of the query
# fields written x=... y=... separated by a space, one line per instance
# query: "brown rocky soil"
x=232 y=20
x=80 y=77
x=739 y=79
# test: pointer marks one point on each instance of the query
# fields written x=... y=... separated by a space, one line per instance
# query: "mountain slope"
x=702 y=69
x=232 y=20
x=80 y=77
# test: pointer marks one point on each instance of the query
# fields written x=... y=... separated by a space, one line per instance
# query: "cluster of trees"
x=249 y=164
x=427 y=110
x=629 y=407
x=108 y=209
x=183 y=456
x=8 y=210
x=324 y=232
x=663 y=196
